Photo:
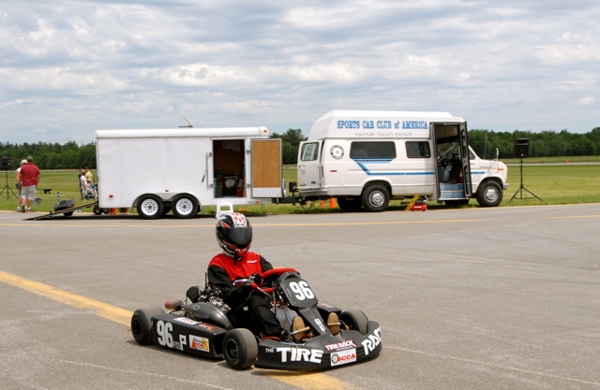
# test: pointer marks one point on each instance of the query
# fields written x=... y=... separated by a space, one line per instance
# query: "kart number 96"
x=301 y=290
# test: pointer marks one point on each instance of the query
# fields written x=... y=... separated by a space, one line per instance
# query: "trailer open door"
x=267 y=168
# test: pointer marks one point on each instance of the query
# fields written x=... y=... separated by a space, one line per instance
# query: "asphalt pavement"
x=476 y=298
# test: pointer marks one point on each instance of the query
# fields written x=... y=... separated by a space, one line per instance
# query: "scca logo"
x=343 y=357
x=372 y=341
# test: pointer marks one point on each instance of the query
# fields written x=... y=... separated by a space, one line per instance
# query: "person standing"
x=18 y=181
x=89 y=176
x=30 y=175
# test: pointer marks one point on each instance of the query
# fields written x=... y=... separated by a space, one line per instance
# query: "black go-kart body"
x=204 y=329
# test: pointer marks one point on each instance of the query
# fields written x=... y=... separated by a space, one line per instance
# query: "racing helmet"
x=234 y=234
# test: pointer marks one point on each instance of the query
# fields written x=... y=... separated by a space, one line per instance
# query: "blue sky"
x=71 y=67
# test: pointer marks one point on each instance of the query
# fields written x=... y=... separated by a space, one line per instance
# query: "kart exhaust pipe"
x=174 y=304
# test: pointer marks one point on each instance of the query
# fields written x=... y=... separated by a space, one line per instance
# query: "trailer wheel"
x=150 y=207
x=185 y=206
x=97 y=210
x=375 y=198
x=489 y=194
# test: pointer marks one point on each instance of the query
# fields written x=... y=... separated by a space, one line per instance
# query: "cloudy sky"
x=71 y=67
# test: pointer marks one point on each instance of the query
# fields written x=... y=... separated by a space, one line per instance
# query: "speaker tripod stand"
x=522 y=188
x=8 y=190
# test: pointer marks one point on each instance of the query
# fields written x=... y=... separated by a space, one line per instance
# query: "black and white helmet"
x=234 y=234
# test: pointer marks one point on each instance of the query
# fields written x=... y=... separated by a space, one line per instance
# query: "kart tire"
x=240 y=348
x=68 y=213
x=97 y=210
x=355 y=320
x=141 y=324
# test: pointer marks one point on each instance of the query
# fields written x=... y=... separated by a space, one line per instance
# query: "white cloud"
x=82 y=65
x=584 y=101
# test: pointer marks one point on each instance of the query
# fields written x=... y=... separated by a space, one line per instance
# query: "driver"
x=233 y=271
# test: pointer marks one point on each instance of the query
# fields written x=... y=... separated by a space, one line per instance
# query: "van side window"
x=417 y=149
x=310 y=151
x=366 y=149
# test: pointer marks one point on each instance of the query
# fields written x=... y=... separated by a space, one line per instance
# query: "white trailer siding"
x=170 y=163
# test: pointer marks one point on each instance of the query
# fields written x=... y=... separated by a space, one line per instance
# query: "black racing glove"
x=254 y=278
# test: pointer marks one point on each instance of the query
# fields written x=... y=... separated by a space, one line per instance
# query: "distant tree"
x=290 y=142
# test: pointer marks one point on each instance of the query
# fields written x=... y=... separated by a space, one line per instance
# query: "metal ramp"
x=65 y=212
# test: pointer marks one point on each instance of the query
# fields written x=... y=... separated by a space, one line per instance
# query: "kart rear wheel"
x=355 y=320
x=240 y=348
x=141 y=324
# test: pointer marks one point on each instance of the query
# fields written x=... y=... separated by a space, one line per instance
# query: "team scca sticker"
x=343 y=357
x=199 y=343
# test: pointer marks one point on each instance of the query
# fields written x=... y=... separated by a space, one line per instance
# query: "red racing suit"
x=249 y=308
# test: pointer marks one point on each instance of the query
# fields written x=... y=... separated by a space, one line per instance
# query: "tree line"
x=70 y=155
x=543 y=144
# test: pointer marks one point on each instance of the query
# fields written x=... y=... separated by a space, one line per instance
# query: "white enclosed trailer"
x=366 y=158
x=185 y=169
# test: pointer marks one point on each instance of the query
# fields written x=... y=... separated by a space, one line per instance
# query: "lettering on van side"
x=415 y=125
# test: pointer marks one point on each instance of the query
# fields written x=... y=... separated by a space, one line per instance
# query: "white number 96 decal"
x=302 y=290
x=163 y=330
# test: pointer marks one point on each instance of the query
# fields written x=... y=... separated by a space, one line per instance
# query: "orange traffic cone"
x=332 y=203
x=321 y=204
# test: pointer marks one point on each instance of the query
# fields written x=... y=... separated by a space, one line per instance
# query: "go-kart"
x=329 y=338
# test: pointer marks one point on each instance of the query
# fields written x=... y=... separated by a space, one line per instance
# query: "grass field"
x=555 y=184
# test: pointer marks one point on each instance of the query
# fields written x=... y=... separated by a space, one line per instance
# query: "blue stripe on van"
x=362 y=164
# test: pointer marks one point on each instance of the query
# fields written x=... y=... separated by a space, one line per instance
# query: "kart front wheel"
x=355 y=320
x=240 y=348
x=141 y=324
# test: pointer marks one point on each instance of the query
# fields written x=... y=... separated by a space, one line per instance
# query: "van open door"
x=453 y=171
x=267 y=168
x=309 y=165
x=466 y=162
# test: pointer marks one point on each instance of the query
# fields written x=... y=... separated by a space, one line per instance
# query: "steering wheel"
x=271 y=272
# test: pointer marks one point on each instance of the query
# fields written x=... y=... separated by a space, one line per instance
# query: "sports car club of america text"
x=378 y=128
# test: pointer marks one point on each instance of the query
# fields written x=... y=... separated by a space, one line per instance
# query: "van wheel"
x=489 y=194
x=375 y=198
x=349 y=204
x=150 y=207
x=185 y=207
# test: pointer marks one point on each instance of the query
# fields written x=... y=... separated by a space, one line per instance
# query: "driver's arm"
x=232 y=295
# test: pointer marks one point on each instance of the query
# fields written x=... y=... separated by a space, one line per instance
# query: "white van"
x=366 y=158
x=185 y=169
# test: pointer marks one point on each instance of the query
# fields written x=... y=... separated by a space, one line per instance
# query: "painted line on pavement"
x=212 y=225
